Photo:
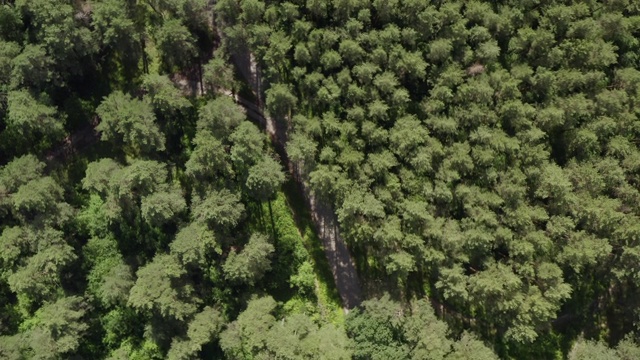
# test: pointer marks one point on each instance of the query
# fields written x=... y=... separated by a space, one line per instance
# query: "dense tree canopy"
x=479 y=159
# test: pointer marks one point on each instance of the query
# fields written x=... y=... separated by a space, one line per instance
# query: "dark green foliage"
x=175 y=43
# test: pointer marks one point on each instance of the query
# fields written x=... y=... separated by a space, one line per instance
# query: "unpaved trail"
x=340 y=260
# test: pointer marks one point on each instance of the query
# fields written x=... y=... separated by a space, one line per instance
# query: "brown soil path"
x=340 y=260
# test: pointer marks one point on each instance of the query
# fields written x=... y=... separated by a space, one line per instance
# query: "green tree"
x=57 y=329
x=161 y=207
x=114 y=24
x=468 y=346
x=265 y=178
x=251 y=263
x=175 y=44
x=129 y=123
x=219 y=209
x=218 y=75
x=32 y=68
x=280 y=101
x=221 y=116
x=209 y=161
x=205 y=327
x=40 y=277
x=31 y=122
x=55 y=27
x=161 y=287
x=248 y=144
x=246 y=336
x=194 y=245
x=18 y=172
x=166 y=98
x=377 y=330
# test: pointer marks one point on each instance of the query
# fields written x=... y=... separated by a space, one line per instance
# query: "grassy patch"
x=325 y=288
x=296 y=244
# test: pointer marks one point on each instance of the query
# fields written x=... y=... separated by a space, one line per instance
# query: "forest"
x=320 y=179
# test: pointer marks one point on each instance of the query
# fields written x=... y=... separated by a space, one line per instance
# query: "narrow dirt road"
x=340 y=260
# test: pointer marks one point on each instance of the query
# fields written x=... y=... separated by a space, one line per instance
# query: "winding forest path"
x=341 y=263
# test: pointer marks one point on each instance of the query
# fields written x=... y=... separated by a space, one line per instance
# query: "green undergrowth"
x=300 y=257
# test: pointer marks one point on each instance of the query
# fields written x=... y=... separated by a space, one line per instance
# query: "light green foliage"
x=585 y=349
x=40 y=277
x=280 y=101
x=8 y=51
x=99 y=175
x=208 y=159
x=479 y=155
x=33 y=261
x=377 y=331
x=55 y=27
x=16 y=173
x=31 y=68
x=251 y=263
x=130 y=123
x=301 y=150
x=112 y=20
x=470 y=347
x=304 y=280
x=12 y=347
x=121 y=189
x=246 y=336
x=142 y=177
x=384 y=328
x=217 y=74
x=37 y=196
x=116 y=284
x=248 y=144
